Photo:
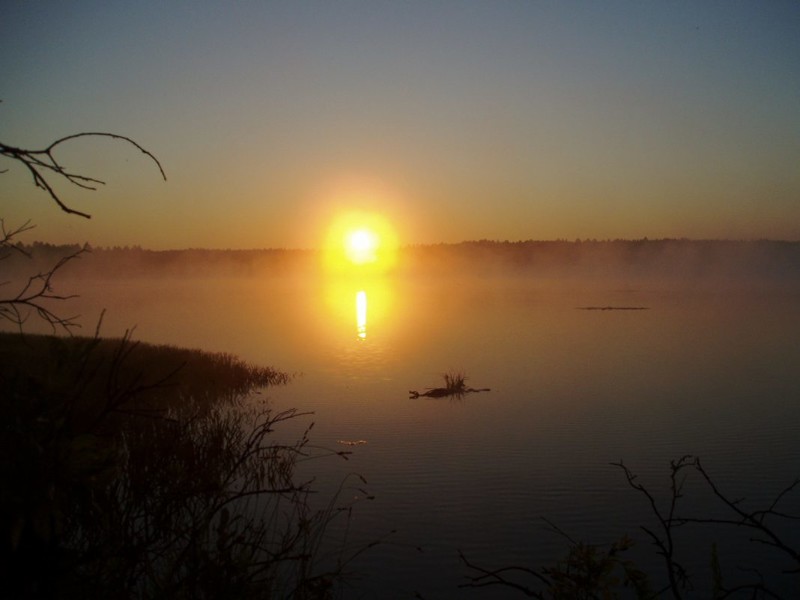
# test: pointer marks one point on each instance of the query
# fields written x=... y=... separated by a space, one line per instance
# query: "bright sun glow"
x=361 y=246
x=362 y=241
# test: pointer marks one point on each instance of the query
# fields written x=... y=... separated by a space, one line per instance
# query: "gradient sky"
x=456 y=120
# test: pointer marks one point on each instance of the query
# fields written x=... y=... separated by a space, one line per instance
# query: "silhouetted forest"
x=675 y=260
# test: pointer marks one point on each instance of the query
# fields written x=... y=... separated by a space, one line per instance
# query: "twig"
x=496 y=577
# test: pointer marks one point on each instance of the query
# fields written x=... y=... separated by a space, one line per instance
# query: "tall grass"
x=139 y=471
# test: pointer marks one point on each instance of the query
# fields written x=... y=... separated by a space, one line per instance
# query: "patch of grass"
x=185 y=373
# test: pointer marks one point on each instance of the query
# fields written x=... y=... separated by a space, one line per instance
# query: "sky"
x=503 y=120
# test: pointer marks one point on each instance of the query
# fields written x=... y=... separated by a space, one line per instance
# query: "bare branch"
x=497 y=577
x=676 y=573
x=7 y=236
x=39 y=162
x=34 y=294
x=755 y=520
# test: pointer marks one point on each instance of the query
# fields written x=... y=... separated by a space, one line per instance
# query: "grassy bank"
x=133 y=470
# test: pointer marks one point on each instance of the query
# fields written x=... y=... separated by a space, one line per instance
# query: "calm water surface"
x=711 y=373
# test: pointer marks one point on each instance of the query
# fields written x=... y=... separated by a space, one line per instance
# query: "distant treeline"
x=648 y=259
x=134 y=261
x=682 y=259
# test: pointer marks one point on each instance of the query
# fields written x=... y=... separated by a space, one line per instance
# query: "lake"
x=692 y=370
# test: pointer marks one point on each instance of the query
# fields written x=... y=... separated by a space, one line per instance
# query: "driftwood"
x=441 y=392
x=613 y=308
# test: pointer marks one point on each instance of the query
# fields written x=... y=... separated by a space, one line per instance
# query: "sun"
x=361 y=243
x=361 y=246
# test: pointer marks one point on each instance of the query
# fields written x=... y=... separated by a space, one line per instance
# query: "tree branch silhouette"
x=43 y=163
x=676 y=574
x=33 y=295
x=755 y=520
x=599 y=572
x=7 y=245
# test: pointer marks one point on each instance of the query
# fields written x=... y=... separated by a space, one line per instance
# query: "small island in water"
x=455 y=384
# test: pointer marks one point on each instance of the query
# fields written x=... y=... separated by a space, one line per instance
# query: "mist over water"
x=594 y=352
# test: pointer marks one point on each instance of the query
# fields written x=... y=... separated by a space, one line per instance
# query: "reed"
x=455 y=381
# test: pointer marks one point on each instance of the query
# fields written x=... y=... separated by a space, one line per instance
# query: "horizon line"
x=486 y=241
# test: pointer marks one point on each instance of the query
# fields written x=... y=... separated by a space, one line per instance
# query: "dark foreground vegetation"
x=139 y=471
x=132 y=470
x=766 y=536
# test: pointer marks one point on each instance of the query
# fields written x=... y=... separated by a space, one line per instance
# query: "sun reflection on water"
x=354 y=348
x=361 y=314
x=352 y=302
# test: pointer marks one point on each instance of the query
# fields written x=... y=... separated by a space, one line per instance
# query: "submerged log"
x=613 y=308
x=441 y=392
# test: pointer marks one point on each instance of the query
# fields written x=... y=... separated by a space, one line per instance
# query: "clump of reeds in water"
x=455 y=381
x=455 y=385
